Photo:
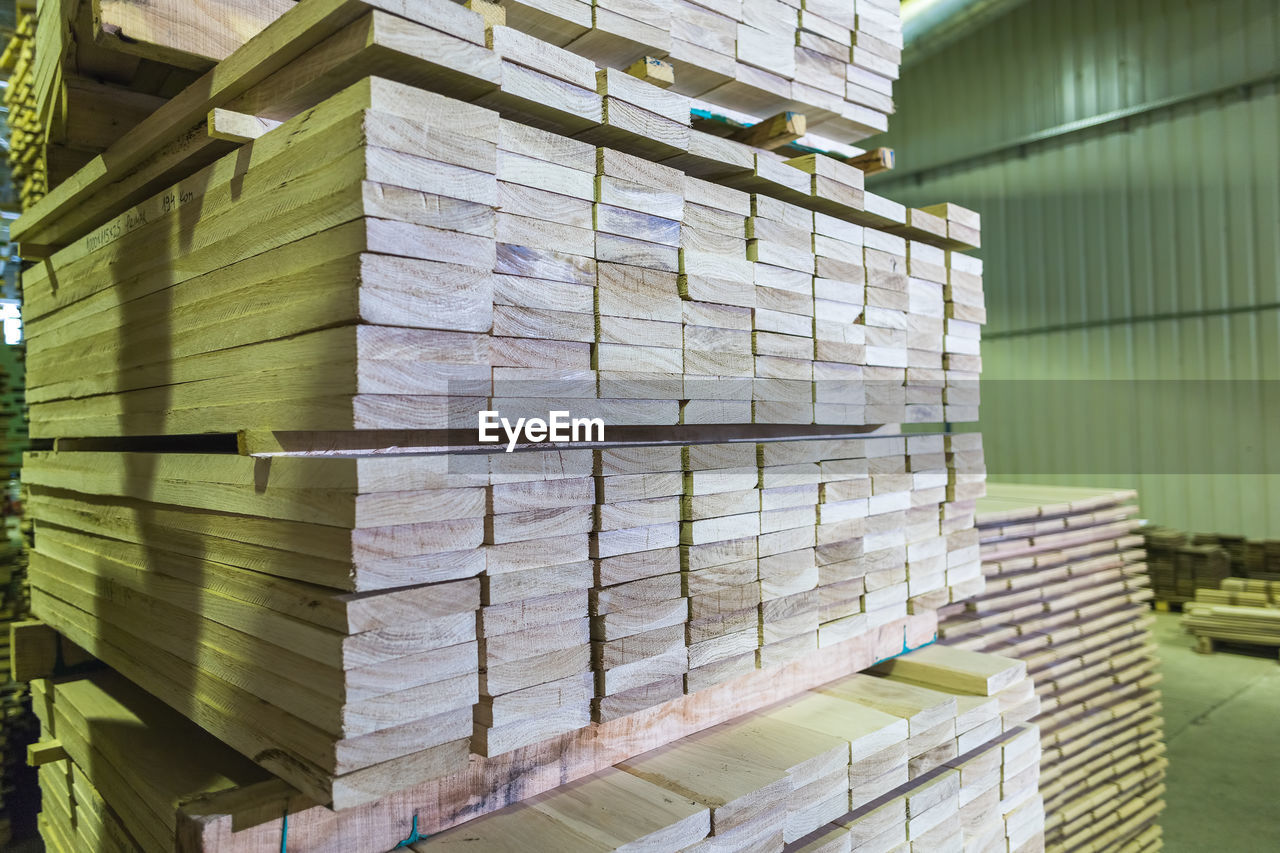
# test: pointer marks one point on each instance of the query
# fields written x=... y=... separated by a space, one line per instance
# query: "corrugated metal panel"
x=1150 y=251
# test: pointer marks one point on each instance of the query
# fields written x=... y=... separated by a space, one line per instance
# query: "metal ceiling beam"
x=930 y=25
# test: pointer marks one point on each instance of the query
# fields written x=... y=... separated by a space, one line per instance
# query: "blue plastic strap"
x=906 y=648
x=414 y=837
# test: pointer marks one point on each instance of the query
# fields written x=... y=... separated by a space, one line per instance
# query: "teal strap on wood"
x=284 y=831
x=414 y=837
x=906 y=648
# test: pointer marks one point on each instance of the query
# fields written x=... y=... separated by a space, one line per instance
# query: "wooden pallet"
x=1209 y=644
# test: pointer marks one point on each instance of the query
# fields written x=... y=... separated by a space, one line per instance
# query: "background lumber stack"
x=1181 y=566
x=1183 y=563
x=826 y=770
x=13 y=416
x=26 y=167
x=18 y=801
x=71 y=95
x=1066 y=592
x=1243 y=611
x=1244 y=591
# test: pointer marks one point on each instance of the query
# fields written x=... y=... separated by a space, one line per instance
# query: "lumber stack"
x=837 y=62
x=17 y=726
x=74 y=91
x=524 y=312
x=18 y=62
x=13 y=417
x=1180 y=566
x=834 y=61
x=826 y=770
x=1246 y=591
x=1183 y=563
x=535 y=586
x=1260 y=560
x=639 y=602
x=266 y=327
x=673 y=568
x=1067 y=592
x=1243 y=611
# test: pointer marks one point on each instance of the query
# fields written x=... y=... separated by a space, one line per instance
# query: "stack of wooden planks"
x=345 y=594
x=269 y=320
x=1260 y=560
x=639 y=601
x=1183 y=563
x=828 y=769
x=107 y=778
x=26 y=166
x=1180 y=566
x=75 y=87
x=834 y=61
x=17 y=725
x=13 y=419
x=484 y=326
x=1067 y=592
x=1243 y=611
x=1247 y=591
x=100 y=68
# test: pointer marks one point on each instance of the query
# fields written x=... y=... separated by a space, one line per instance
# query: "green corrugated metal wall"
x=1148 y=249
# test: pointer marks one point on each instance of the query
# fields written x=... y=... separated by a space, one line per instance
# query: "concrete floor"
x=1222 y=725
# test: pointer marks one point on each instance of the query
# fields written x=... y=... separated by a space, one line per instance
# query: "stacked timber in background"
x=13 y=422
x=1244 y=611
x=71 y=96
x=1179 y=567
x=1183 y=563
x=1066 y=591
x=18 y=728
x=828 y=769
x=23 y=120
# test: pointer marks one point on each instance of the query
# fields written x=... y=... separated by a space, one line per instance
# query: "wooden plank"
x=958 y=669
x=187 y=35
x=874 y=161
x=451 y=801
x=232 y=126
x=277 y=46
x=773 y=132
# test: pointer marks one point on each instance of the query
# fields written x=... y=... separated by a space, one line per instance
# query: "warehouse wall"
x=1147 y=248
